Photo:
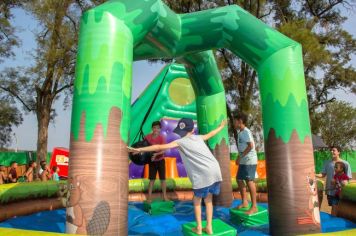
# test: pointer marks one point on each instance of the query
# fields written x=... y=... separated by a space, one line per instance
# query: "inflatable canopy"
x=115 y=34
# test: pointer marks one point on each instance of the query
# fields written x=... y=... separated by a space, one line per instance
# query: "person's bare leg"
x=242 y=189
x=320 y=198
x=252 y=187
x=334 y=210
x=164 y=190
x=150 y=188
x=197 y=212
x=209 y=214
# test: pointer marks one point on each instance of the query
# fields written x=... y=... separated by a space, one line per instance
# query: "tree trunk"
x=231 y=122
x=45 y=95
x=43 y=118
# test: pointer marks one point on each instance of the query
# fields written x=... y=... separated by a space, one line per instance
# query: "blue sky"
x=143 y=73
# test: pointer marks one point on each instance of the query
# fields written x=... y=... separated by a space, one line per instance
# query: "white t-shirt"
x=202 y=167
x=244 y=137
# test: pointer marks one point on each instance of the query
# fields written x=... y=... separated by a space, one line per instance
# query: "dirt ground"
x=324 y=205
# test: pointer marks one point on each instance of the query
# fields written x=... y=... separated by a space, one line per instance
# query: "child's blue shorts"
x=204 y=192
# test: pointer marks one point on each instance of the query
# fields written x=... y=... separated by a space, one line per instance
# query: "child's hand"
x=344 y=182
x=133 y=150
x=237 y=161
x=223 y=123
x=333 y=182
x=154 y=156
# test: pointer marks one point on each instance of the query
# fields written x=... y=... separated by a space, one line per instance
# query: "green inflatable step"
x=158 y=207
x=238 y=217
x=219 y=228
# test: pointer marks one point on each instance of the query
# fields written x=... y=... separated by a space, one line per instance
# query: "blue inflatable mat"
x=141 y=223
x=52 y=221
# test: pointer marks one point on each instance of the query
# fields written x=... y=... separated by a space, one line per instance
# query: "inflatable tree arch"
x=115 y=34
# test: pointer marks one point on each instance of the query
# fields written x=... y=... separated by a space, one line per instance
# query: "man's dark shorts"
x=333 y=200
x=157 y=166
x=246 y=172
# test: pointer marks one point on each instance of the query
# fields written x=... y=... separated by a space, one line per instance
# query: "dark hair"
x=43 y=163
x=336 y=147
x=341 y=164
x=54 y=168
x=242 y=117
x=30 y=163
x=156 y=123
x=12 y=163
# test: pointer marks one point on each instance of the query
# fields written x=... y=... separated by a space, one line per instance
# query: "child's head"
x=13 y=164
x=55 y=169
x=32 y=164
x=2 y=168
x=185 y=126
x=156 y=128
x=339 y=167
x=240 y=121
x=335 y=151
x=43 y=164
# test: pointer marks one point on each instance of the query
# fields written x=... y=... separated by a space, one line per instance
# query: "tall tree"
x=39 y=86
x=337 y=125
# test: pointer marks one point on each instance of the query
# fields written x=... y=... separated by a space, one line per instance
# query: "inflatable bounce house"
x=105 y=191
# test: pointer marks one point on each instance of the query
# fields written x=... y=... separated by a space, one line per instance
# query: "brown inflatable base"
x=28 y=207
x=186 y=196
x=347 y=209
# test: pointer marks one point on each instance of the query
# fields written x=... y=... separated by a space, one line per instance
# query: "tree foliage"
x=9 y=116
x=337 y=125
x=8 y=38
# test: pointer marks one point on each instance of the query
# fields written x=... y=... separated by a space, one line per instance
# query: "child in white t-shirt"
x=202 y=167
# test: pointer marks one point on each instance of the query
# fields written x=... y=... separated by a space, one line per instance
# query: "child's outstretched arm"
x=215 y=131
x=153 y=148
